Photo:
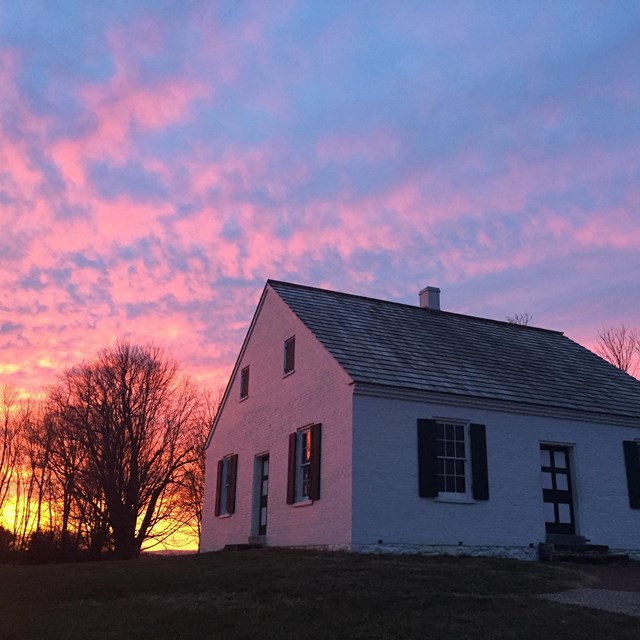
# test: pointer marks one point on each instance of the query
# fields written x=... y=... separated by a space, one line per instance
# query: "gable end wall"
x=318 y=391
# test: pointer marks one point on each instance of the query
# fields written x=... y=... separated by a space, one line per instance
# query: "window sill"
x=243 y=398
x=286 y=374
x=303 y=503
x=454 y=500
x=224 y=515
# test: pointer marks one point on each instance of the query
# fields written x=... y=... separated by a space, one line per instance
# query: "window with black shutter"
x=303 y=478
x=452 y=460
x=226 y=485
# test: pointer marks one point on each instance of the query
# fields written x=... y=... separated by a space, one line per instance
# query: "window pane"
x=441 y=484
x=564 y=513
x=547 y=480
x=561 y=482
x=560 y=459
x=305 y=480
x=450 y=449
x=440 y=466
x=545 y=458
x=459 y=431
x=459 y=449
x=459 y=467
x=461 y=485
x=549 y=513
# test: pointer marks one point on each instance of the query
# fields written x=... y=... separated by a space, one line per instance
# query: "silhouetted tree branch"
x=520 y=318
x=621 y=347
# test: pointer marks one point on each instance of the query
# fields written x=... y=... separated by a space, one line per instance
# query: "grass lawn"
x=262 y=594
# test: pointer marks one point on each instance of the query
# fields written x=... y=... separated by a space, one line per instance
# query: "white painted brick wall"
x=385 y=486
x=318 y=391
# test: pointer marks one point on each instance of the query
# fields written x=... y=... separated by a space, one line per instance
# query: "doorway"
x=557 y=492
x=262 y=494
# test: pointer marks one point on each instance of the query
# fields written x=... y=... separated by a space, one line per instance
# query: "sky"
x=160 y=160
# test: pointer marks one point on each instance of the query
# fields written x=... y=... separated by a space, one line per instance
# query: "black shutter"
x=632 y=464
x=479 y=471
x=231 y=489
x=219 y=487
x=291 y=472
x=427 y=459
x=314 y=480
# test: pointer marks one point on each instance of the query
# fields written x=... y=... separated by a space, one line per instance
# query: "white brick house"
x=363 y=424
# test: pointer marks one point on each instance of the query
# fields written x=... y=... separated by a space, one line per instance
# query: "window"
x=304 y=471
x=303 y=481
x=632 y=464
x=289 y=354
x=452 y=460
x=244 y=383
x=226 y=487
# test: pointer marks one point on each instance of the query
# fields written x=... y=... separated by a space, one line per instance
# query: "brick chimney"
x=430 y=298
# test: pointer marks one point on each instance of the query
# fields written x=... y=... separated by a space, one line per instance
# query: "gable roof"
x=399 y=345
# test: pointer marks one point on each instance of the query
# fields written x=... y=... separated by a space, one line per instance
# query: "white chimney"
x=430 y=298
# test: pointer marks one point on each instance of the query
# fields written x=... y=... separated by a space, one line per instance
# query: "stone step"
x=589 y=558
x=580 y=553
x=585 y=548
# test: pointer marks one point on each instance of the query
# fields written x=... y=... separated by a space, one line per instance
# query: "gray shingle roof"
x=399 y=345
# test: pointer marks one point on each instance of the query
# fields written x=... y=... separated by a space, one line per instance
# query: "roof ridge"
x=411 y=306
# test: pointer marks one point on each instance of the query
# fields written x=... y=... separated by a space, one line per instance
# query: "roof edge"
x=411 y=306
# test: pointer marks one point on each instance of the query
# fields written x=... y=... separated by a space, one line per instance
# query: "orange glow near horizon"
x=182 y=540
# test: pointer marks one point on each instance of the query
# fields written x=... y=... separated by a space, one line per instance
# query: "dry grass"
x=265 y=594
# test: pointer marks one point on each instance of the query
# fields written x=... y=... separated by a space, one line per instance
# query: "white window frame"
x=303 y=464
x=448 y=425
x=224 y=485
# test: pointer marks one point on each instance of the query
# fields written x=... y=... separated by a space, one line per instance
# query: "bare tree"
x=9 y=451
x=132 y=414
x=520 y=318
x=16 y=483
x=621 y=347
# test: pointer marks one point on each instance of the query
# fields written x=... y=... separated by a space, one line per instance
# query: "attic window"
x=244 y=383
x=289 y=355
